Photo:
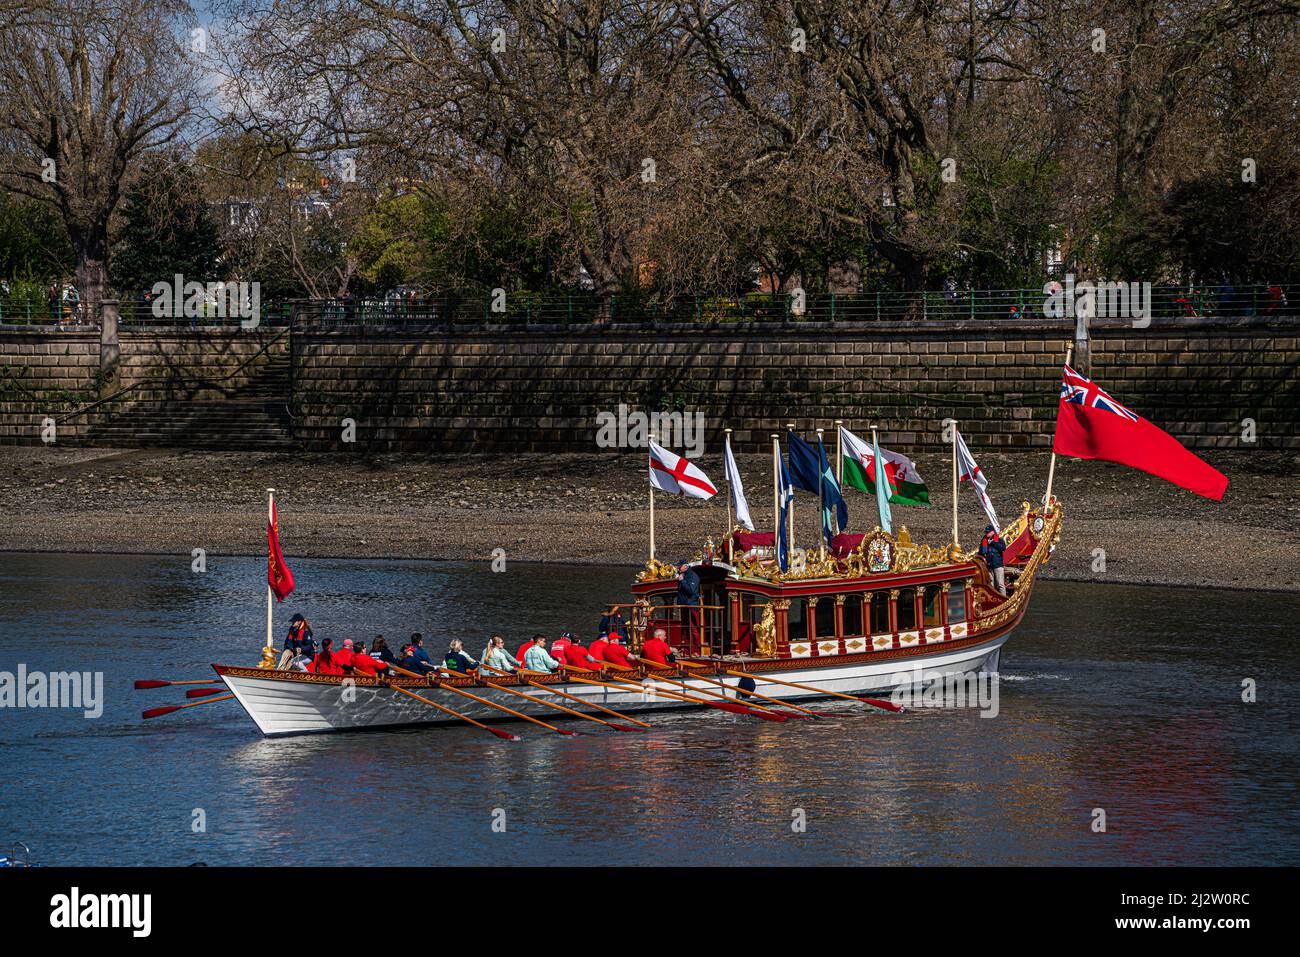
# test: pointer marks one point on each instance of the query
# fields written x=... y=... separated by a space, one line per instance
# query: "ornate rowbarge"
x=884 y=614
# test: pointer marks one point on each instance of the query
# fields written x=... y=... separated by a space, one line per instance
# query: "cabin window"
x=751 y=608
x=796 y=627
x=853 y=617
x=906 y=610
x=880 y=613
x=930 y=607
x=957 y=602
x=825 y=617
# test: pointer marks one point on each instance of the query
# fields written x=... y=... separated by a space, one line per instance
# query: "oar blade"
x=142 y=684
x=884 y=705
x=623 y=727
x=159 y=712
x=504 y=735
x=203 y=692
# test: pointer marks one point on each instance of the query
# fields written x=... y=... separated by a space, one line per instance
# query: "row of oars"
x=714 y=697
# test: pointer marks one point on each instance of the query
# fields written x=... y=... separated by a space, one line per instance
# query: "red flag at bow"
x=1092 y=425
x=278 y=575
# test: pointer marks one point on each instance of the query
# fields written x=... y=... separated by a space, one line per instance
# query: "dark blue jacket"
x=419 y=665
x=688 y=588
x=300 y=642
x=459 y=661
x=991 y=550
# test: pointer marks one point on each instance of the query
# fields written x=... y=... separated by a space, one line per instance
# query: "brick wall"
x=46 y=373
x=515 y=389
x=540 y=389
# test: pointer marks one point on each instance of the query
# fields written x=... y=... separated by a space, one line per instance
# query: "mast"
x=1051 y=468
x=270 y=596
x=652 y=504
x=955 y=540
x=790 y=533
x=839 y=453
x=821 y=496
x=730 y=526
x=776 y=493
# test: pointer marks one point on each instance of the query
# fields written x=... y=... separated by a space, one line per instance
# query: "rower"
x=326 y=663
x=614 y=653
x=456 y=658
x=363 y=663
x=657 y=648
x=538 y=659
x=343 y=657
x=597 y=649
x=496 y=656
x=579 y=657
x=523 y=649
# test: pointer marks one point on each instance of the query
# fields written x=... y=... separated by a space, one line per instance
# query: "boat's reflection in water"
x=1126 y=700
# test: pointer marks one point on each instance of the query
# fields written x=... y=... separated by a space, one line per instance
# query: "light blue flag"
x=882 y=486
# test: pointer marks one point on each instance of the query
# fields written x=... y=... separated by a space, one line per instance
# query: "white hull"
x=285 y=703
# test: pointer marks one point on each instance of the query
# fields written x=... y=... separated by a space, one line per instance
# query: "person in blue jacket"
x=688 y=597
x=991 y=549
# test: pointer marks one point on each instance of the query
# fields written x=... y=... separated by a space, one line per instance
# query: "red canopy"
x=842 y=545
x=745 y=541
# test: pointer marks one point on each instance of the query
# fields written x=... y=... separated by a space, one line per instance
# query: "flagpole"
x=270 y=518
x=729 y=524
x=821 y=493
x=652 y=506
x=955 y=540
x=1051 y=468
x=839 y=453
x=776 y=491
x=790 y=533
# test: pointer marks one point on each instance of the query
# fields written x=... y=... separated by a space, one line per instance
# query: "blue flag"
x=835 y=512
x=805 y=464
x=785 y=495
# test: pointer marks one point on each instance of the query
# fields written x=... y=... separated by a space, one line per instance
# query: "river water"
x=1114 y=699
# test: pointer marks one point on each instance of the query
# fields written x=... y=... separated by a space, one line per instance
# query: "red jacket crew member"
x=657 y=648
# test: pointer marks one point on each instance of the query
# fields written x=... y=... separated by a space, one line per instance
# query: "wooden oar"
x=142 y=684
x=490 y=704
x=464 y=717
x=608 y=724
x=728 y=706
x=739 y=691
x=877 y=702
x=159 y=712
x=759 y=709
x=202 y=692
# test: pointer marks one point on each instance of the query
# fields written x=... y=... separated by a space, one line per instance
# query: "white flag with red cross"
x=673 y=474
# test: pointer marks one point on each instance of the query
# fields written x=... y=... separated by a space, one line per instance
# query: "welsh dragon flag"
x=905 y=484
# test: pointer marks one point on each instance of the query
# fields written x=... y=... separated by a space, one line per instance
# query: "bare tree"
x=87 y=89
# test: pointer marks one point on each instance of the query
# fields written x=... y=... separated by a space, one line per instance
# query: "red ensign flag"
x=278 y=575
x=1092 y=425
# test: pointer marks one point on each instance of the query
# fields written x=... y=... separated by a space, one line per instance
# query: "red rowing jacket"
x=597 y=649
x=617 y=655
x=656 y=650
x=343 y=657
x=523 y=650
x=319 y=666
x=367 y=665
x=576 y=655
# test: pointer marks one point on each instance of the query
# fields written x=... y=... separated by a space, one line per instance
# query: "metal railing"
x=1167 y=301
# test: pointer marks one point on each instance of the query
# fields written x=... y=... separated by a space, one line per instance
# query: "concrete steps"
x=253 y=416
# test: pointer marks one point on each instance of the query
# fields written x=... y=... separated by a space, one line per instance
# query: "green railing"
x=531 y=308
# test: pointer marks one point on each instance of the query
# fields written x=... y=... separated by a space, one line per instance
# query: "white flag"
x=673 y=474
x=969 y=471
x=737 y=490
